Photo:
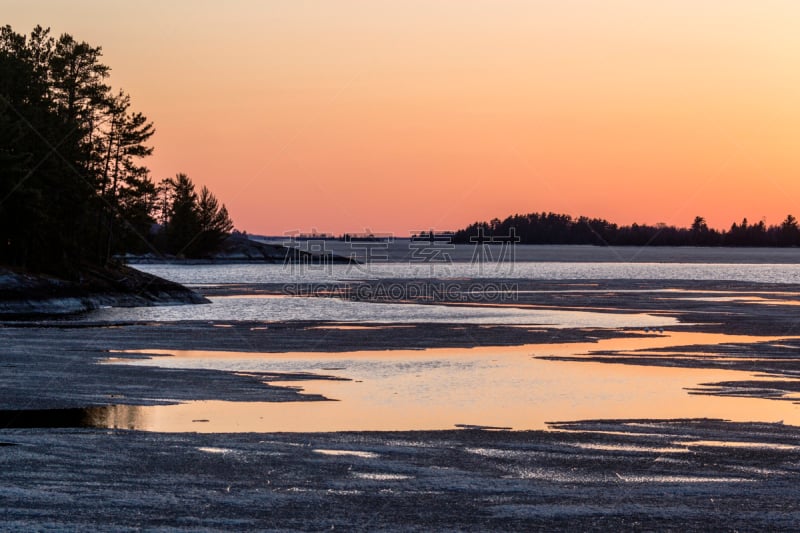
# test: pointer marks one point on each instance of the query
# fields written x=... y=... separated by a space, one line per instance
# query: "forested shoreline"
x=74 y=189
x=553 y=228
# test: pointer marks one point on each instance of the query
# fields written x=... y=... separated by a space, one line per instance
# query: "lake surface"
x=404 y=250
x=283 y=308
x=446 y=388
x=265 y=273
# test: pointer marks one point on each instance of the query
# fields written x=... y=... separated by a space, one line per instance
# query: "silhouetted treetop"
x=193 y=225
x=73 y=184
x=552 y=228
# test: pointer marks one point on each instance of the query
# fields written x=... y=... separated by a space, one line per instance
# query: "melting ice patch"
x=380 y=476
x=353 y=453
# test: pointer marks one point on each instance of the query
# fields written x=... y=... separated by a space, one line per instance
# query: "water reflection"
x=449 y=388
x=748 y=299
x=287 y=308
x=759 y=268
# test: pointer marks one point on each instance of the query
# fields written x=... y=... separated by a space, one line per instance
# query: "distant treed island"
x=552 y=228
x=73 y=187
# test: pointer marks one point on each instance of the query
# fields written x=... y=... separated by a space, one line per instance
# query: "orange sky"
x=405 y=115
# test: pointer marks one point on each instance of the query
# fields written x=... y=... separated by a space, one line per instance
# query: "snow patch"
x=380 y=476
x=353 y=453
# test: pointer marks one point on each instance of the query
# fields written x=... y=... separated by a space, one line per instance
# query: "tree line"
x=552 y=228
x=73 y=185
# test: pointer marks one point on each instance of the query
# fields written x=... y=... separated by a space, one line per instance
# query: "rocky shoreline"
x=239 y=248
x=24 y=295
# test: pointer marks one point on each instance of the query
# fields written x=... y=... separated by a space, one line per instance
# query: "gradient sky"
x=404 y=115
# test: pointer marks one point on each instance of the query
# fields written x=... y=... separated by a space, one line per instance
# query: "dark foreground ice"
x=648 y=475
x=591 y=475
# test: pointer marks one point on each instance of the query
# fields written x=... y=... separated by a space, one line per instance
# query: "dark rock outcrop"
x=239 y=248
x=24 y=294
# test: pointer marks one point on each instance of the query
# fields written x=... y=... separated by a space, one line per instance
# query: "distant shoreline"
x=406 y=250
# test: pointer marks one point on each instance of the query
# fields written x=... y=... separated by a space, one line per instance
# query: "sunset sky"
x=405 y=115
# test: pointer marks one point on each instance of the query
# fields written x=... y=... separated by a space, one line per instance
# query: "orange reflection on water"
x=744 y=299
x=355 y=327
x=441 y=388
